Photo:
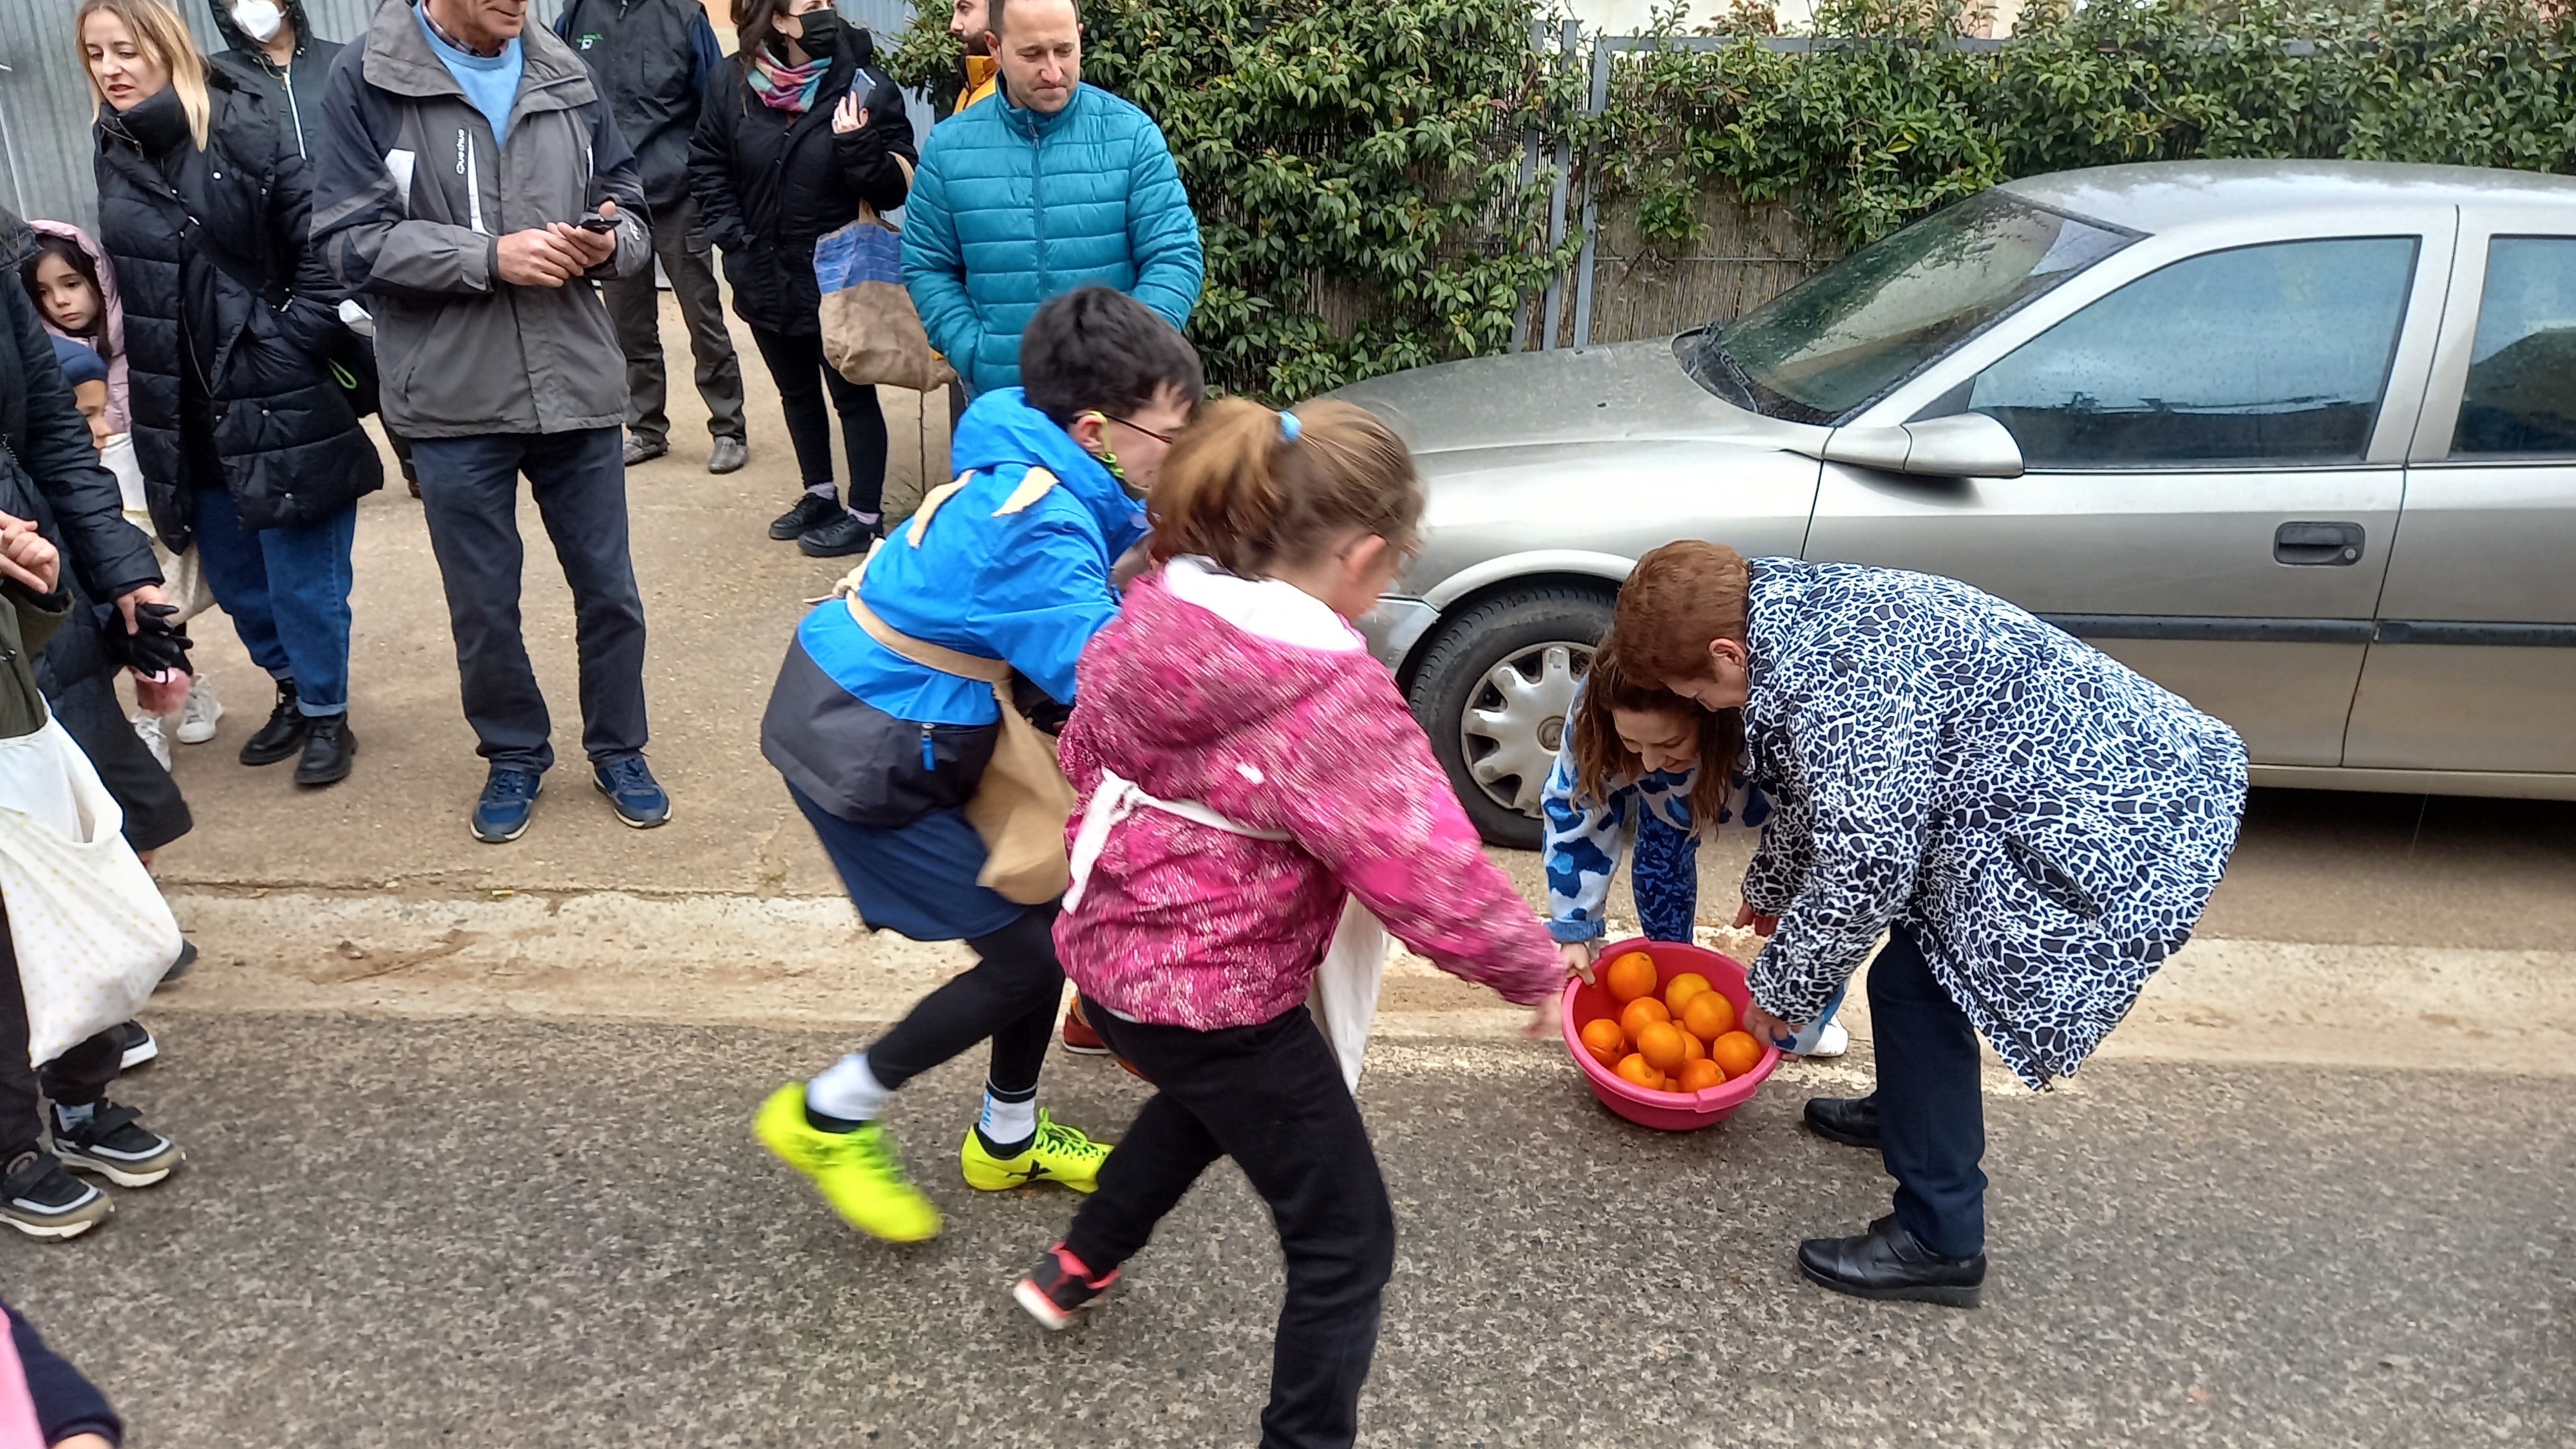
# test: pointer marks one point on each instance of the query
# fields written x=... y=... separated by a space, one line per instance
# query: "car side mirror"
x=1962 y=445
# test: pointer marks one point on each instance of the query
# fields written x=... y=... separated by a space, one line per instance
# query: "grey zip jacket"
x=410 y=200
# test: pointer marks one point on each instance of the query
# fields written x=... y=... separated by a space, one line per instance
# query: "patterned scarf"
x=787 y=88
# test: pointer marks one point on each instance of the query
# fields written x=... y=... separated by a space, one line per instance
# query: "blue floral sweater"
x=1584 y=839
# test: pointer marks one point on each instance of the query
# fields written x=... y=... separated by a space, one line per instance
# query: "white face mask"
x=259 y=19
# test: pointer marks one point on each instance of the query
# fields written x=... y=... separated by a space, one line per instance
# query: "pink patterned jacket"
x=1186 y=925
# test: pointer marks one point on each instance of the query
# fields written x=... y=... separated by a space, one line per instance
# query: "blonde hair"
x=1251 y=489
x=159 y=33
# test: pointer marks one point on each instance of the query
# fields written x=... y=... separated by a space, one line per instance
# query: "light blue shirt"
x=490 y=82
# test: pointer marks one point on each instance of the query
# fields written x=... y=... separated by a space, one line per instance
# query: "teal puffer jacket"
x=1011 y=207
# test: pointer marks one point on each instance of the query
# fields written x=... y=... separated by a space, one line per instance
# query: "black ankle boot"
x=283 y=735
x=1887 y=1262
x=330 y=748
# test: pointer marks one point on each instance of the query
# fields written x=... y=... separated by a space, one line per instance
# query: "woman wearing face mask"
x=799 y=132
x=270 y=48
x=881 y=753
x=247 y=443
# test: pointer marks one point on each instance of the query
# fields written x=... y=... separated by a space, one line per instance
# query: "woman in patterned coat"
x=2033 y=827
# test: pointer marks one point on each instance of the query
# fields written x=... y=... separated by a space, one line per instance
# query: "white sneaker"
x=197 y=718
x=1833 y=1041
x=147 y=728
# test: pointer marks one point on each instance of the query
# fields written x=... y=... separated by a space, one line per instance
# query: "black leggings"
x=1011 y=995
x=77 y=1077
x=802 y=375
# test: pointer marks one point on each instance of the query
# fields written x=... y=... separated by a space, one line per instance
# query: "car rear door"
x=2214 y=438
x=2474 y=662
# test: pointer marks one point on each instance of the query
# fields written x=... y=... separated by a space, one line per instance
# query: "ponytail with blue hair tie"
x=1287 y=426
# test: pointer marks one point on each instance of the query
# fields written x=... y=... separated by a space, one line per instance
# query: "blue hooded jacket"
x=1011 y=207
x=1030 y=586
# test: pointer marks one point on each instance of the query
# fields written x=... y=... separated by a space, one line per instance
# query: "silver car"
x=2296 y=440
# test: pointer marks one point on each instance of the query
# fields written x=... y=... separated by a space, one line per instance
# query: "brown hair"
x=1239 y=489
x=159 y=33
x=1602 y=761
x=1678 y=599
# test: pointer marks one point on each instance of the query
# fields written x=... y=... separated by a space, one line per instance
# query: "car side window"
x=2521 y=395
x=2270 y=354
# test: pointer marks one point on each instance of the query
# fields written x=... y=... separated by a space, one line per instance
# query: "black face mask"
x=822 y=34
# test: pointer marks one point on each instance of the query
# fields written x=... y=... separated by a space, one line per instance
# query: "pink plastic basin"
x=1671 y=1111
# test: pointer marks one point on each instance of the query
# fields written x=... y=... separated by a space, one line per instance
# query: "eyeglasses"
x=1163 y=438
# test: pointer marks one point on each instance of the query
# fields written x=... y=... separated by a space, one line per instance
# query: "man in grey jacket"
x=653 y=57
x=471 y=184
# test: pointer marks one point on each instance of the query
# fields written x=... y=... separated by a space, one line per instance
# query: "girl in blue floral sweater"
x=1637 y=759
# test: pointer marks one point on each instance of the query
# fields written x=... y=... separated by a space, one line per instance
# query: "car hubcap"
x=1516 y=721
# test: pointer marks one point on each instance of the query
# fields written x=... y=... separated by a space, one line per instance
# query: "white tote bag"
x=1343 y=997
x=89 y=927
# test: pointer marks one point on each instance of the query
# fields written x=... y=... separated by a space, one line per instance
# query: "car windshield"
x=1843 y=338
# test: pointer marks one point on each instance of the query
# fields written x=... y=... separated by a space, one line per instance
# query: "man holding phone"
x=471 y=183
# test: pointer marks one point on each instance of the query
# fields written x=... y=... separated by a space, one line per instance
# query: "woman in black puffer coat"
x=248 y=442
x=800 y=130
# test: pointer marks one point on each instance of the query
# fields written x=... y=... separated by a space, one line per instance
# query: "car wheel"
x=1493 y=692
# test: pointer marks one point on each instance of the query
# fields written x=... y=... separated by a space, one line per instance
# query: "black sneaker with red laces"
x=1060 y=1287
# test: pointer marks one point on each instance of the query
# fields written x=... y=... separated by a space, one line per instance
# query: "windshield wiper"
x=1713 y=367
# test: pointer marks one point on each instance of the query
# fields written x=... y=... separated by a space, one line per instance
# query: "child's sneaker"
x=1079 y=1038
x=40 y=1199
x=1056 y=1154
x=136 y=1044
x=115 y=1144
x=1833 y=1041
x=197 y=718
x=1059 y=1288
x=147 y=728
x=855 y=1171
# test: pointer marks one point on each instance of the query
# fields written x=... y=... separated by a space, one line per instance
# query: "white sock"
x=1004 y=1123
x=848 y=1090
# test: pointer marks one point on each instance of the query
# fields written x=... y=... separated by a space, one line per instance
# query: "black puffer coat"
x=769 y=182
x=223 y=288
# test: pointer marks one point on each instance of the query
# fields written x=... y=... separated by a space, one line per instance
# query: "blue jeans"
x=469 y=488
x=287 y=590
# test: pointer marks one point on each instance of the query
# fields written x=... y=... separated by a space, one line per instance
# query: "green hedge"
x=1356 y=163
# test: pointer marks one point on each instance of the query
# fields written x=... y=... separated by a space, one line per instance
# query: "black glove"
x=155 y=646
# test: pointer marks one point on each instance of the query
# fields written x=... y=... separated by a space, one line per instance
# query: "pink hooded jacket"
x=1185 y=925
x=111 y=318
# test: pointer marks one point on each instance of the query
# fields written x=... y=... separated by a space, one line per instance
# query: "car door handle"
x=2310 y=545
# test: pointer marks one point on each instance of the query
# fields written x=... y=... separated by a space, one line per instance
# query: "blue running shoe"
x=509 y=798
x=629 y=785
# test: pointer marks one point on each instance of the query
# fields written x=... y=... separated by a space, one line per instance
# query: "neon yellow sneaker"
x=856 y=1172
x=1059 y=1154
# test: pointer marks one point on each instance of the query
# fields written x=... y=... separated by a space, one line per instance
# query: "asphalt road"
x=403 y=1233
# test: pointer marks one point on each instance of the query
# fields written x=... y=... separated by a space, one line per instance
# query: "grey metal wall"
x=45 y=109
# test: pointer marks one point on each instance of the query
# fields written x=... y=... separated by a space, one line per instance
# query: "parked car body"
x=2297 y=440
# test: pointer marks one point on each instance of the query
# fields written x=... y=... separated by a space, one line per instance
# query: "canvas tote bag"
x=90 y=929
x=871 y=333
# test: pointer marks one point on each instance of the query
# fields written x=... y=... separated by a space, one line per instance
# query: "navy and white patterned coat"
x=2047 y=822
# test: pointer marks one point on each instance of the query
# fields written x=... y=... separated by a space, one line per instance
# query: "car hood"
x=1457 y=414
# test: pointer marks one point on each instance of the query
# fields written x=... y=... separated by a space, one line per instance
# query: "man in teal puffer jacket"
x=1055 y=185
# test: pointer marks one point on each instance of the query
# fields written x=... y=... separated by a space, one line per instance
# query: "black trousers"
x=1272 y=1098
x=469 y=489
x=635 y=308
x=1010 y=995
x=797 y=365
x=155 y=812
x=78 y=1076
x=1931 y=1119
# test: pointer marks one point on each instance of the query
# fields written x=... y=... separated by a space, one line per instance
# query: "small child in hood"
x=1256 y=767
x=74 y=287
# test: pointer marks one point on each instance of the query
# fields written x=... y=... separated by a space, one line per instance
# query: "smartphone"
x=597 y=223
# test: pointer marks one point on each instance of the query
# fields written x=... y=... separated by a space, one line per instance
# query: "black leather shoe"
x=1888 y=1263
x=330 y=748
x=847 y=534
x=812 y=511
x=283 y=736
x=1852 y=1121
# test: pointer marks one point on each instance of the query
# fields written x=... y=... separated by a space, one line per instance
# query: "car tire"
x=1517 y=631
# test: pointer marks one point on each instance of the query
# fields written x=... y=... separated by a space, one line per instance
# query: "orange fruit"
x=1630 y=977
x=1633 y=1068
x=1708 y=1015
x=1661 y=1045
x=1692 y=1050
x=1641 y=1013
x=1736 y=1052
x=1700 y=1075
x=1603 y=1038
x=1681 y=989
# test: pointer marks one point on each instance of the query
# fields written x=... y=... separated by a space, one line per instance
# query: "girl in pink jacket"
x=1264 y=769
